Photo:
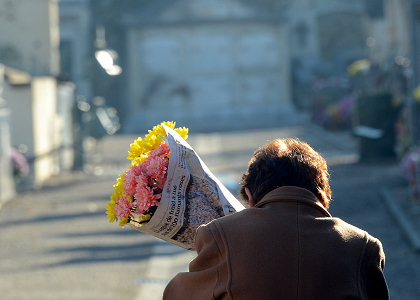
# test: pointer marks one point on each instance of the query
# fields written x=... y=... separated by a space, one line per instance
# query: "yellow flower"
x=140 y=148
x=138 y=160
x=118 y=193
x=159 y=130
x=110 y=211
x=152 y=141
x=118 y=188
x=119 y=181
x=182 y=131
x=123 y=221
x=136 y=148
x=145 y=218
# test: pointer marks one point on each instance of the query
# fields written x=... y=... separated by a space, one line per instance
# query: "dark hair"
x=286 y=162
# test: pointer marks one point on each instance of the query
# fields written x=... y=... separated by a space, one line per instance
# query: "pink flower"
x=146 y=180
x=123 y=208
x=129 y=183
x=131 y=179
x=145 y=198
x=156 y=165
x=143 y=207
x=162 y=150
x=157 y=168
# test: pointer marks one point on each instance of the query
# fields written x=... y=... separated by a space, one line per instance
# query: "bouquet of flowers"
x=168 y=191
x=139 y=189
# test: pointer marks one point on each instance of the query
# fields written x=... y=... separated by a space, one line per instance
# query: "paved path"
x=57 y=244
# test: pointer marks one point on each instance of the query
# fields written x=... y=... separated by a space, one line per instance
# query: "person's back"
x=287 y=245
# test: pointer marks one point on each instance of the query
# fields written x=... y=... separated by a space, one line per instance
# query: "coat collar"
x=292 y=194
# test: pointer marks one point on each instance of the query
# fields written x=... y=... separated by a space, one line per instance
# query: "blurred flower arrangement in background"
x=20 y=164
x=410 y=166
x=332 y=102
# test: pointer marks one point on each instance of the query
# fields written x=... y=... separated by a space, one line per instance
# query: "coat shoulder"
x=235 y=220
x=349 y=230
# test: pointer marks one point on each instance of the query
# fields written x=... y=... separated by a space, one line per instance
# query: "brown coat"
x=287 y=247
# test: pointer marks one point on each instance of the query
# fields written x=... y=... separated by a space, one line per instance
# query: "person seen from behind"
x=286 y=245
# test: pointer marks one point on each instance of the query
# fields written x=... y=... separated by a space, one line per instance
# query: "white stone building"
x=208 y=65
x=39 y=105
x=29 y=37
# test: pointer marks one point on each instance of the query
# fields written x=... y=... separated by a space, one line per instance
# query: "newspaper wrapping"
x=191 y=196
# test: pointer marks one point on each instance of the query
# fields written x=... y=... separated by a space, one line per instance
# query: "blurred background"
x=80 y=79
